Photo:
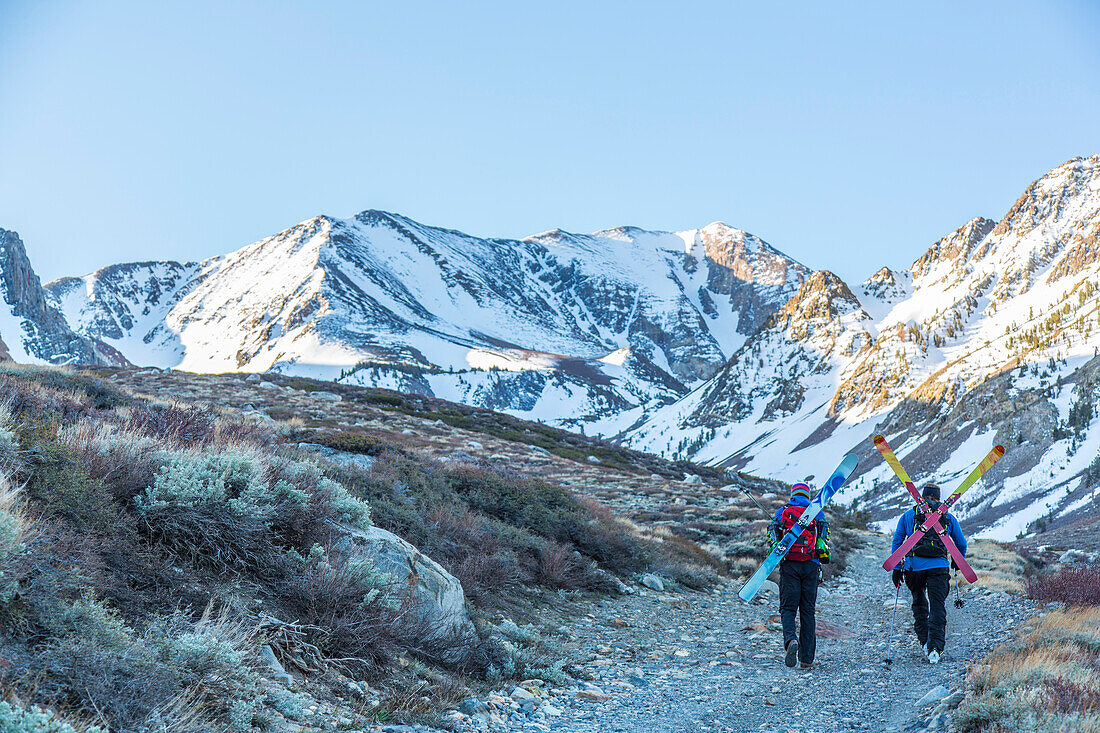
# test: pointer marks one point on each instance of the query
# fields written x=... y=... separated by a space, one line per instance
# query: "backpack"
x=803 y=548
x=930 y=545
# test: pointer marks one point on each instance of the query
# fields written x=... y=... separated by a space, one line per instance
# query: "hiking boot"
x=807 y=665
x=933 y=657
x=792 y=653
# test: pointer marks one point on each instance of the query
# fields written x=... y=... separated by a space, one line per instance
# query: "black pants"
x=930 y=589
x=798 y=592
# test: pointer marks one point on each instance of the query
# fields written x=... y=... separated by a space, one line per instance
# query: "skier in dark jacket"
x=926 y=573
x=799 y=575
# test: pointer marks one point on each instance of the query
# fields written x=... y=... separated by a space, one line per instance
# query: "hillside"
x=989 y=337
x=230 y=551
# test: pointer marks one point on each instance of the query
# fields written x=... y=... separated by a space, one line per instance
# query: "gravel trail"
x=699 y=662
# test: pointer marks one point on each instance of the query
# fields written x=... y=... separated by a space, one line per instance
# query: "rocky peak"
x=955 y=248
x=1052 y=196
x=748 y=257
x=22 y=286
x=822 y=296
x=45 y=335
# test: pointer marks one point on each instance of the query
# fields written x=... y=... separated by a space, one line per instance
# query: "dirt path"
x=695 y=662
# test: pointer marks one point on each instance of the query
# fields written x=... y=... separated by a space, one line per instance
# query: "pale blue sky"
x=849 y=135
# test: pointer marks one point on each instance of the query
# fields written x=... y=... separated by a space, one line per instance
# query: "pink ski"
x=922 y=505
x=934 y=518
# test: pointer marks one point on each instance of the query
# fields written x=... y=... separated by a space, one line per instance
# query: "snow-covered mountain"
x=991 y=336
x=708 y=343
x=564 y=327
x=32 y=331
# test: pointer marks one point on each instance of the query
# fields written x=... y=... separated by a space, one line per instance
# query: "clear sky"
x=850 y=135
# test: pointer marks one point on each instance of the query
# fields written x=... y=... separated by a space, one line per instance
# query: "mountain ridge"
x=706 y=343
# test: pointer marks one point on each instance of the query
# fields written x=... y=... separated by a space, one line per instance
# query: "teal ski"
x=846 y=468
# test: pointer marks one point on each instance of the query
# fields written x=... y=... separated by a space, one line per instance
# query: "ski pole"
x=890 y=641
x=754 y=501
x=744 y=490
x=958 y=594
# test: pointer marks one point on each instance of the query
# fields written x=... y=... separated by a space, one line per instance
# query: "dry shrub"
x=1045 y=680
x=208 y=534
x=1074 y=586
x=30 y=399
x=123 y=463
x=188 y=426
x=346 y=604
x=230 y=433
x=472 y=548
x=124 y=686
x=559 y=567
x=550 y=511
x=484 y=576
x=687 y=562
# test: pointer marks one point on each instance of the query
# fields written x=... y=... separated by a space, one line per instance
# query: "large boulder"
x=430 y=592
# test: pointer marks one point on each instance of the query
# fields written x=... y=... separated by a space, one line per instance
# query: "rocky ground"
x=709 y=662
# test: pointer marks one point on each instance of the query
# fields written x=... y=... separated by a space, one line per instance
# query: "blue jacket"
x=799 y=500
x=907 y=524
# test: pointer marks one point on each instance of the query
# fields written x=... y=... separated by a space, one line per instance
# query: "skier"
x=799 y=575
x=926 y=573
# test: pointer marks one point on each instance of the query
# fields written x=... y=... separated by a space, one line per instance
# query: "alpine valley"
x=707 y=344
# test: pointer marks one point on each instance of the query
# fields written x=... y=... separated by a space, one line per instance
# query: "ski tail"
x=842 y=473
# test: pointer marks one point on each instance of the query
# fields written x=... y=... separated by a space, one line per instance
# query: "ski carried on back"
x=831 y=486
x=930 y=519
x=922 y=505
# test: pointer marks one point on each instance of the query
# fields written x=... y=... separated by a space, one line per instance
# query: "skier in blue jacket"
x=799 y=576
x=926 y=573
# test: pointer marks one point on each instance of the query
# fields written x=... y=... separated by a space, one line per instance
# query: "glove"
x=953 y=565
x=896 y=576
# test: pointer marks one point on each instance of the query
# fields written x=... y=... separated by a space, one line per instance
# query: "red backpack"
x=803 y=548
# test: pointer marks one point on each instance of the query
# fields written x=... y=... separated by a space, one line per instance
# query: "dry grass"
x=1047 y=680
x=998 y=566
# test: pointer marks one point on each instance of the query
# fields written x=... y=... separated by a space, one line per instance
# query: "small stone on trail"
x=593 y=695
x=936 y=694
x=520 y=693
